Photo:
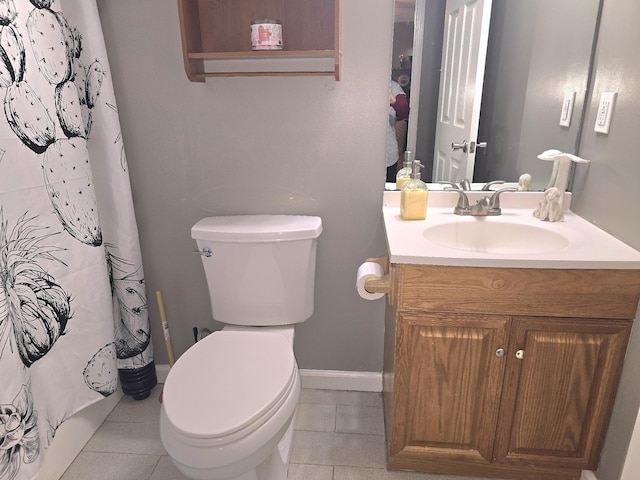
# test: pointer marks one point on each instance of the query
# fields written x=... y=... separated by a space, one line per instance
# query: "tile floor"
x=339 y=436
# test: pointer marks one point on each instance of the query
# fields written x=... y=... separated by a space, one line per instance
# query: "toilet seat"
x=228 y=384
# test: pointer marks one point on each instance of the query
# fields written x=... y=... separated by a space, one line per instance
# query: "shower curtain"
x=73 y=307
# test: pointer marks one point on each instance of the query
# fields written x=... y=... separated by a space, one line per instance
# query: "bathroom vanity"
x=502 y=358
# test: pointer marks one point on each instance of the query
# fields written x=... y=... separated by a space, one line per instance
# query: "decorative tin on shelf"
x=266 y=35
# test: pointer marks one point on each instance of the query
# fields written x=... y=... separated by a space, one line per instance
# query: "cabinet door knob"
x=520 y=354
x=500 y=352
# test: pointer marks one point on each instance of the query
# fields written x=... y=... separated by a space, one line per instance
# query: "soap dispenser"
x=404 y=174
x=413 y=197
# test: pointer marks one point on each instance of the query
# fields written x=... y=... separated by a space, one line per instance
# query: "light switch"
x=567 y=109
x=605 y=111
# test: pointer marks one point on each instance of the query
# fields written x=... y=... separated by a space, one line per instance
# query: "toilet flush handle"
x=205 y=252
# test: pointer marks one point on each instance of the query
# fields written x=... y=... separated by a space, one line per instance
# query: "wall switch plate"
x=567 y=108
x=605 y=111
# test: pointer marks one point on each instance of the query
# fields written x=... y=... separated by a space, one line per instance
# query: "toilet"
x=229 y=402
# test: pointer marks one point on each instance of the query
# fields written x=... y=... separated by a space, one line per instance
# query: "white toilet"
x=229 y=402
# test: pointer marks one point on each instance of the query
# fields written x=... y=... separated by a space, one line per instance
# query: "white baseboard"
x=342 y=380
x=321 y=379
x=588 y=475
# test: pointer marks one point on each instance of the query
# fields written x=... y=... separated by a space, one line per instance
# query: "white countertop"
x=586 y=246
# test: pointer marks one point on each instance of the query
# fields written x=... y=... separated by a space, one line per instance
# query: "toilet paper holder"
x=379 y=284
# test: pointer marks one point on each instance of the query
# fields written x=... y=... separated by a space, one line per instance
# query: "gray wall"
x=607 y=193
x=203 y=149
x=297 y=145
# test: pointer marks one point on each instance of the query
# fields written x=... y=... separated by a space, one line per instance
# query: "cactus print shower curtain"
x=73 y=308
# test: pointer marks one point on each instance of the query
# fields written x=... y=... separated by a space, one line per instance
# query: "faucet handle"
x=494 y=201
x=487 y=186
x=462 y=208
x=451 y=184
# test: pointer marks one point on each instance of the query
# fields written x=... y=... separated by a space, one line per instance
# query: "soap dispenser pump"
x=404 y=174
x=413 y=197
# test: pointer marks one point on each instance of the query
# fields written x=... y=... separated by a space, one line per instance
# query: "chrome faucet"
x=466 y=184
x=487 y=186
x=486 y=206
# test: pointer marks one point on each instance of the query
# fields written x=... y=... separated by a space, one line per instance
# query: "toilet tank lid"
x=257 y=228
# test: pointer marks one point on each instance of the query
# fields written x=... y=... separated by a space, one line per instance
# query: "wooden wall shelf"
x=216 y=38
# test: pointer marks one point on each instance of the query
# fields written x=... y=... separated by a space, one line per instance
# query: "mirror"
x=535 y=82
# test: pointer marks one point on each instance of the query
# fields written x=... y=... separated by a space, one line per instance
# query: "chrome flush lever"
x=205 y=252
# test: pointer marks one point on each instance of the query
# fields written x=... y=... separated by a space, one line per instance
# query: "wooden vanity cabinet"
x=216 y=38
x=502 y=372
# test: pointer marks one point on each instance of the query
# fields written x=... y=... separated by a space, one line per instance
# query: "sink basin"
x=503 y=238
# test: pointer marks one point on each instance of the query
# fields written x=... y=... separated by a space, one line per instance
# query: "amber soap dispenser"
x=413 y=196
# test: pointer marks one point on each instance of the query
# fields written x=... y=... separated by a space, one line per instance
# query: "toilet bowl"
x=229 y=404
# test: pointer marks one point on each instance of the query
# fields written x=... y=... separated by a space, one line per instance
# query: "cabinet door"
x=447 y=384
x=559 y=392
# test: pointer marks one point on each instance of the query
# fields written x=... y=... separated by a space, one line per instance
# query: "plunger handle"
x=165 y=328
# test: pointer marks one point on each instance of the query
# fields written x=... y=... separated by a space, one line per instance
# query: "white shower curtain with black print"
x=73 y=307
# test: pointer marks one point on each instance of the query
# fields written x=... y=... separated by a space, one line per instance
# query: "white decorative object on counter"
x=551 y=207
x=524 y=182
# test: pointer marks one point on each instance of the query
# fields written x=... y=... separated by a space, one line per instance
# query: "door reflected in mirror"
x=534 y=84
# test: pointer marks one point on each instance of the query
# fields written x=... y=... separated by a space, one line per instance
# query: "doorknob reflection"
x=460 y=146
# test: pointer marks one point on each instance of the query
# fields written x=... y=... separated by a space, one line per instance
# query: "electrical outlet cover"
x=605 y=112
x=567 y=108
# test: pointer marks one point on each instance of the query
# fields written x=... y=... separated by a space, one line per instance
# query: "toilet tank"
x=261 y=268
